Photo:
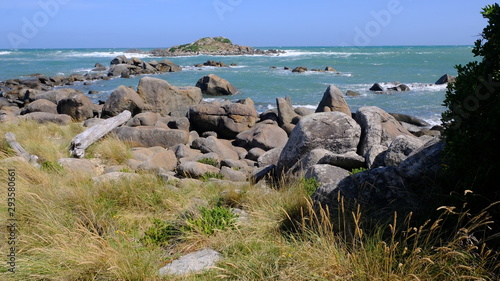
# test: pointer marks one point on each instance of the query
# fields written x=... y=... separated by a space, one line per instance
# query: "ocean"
x=358 y=68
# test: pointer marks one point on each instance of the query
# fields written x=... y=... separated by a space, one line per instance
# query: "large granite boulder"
x=121 y=59
x=377 y=88
x=57 y=95
x=326 y=174
x=286 y=113
x=334 y=131
x=144 y=119
x=378 y=128
x=117 y=70
x=196 y=169
x=382 y=191
x=167 y=66
x=145 y=136
x=78 y=106
x=410 y=120
x=348 y=161
x=41 y=105
x=162 y=159
x=219 y=147
x=400 y=148
x=213 y=85
x=159 y=96
x=266 y=135
x=271 y=157
x=445 y=79
x=226 y=119
x=81 y=166
x=45 y=117
x=333 y=100
x=123 y=98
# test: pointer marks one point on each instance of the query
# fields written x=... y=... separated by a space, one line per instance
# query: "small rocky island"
x=216 y=46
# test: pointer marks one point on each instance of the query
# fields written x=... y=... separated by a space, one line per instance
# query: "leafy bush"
x=310 y=185
x=472 y=119
x=210 y=220
x=160 y=233
x=223 y=40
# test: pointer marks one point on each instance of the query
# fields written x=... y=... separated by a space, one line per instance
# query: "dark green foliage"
x=472 y=120
x=160 y=233
x=223 y=40
x=310 y=185
x=210 y=220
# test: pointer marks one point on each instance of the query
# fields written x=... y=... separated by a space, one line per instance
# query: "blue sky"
x=164 y=23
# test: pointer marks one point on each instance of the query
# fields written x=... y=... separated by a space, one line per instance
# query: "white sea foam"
x=79 y=70
x=101 y=54
x=295 y=53
x=2 y=53
x=419 y=87
x=214 y=99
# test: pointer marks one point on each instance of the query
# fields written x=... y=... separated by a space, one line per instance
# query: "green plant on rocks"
x=358 y=170
x=160 y=233
x=210 y=175
x=211 y=220
x=209 y=161
x=310 y=185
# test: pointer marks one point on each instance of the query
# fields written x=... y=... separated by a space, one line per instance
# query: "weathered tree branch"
x=11 y=140
x=94 y=133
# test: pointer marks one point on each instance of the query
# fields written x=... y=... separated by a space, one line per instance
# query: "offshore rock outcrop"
x=219 y=46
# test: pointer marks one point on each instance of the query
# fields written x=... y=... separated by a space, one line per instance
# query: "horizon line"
x=256 y=47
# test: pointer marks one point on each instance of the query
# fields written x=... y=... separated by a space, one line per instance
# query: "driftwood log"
x=11 y=140
x=94 y=133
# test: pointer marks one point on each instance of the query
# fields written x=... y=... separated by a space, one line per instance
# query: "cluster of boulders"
x=214 y=64
x=176 y=134
x=399 y=87
x=302 y=69
x=123 y=67
x=153 y=95
x=394 y=87
x=17 y=91
x=21 y=92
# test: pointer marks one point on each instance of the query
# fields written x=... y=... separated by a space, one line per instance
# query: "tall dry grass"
x=71 y=228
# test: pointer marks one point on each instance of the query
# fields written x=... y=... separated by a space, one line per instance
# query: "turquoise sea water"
x=359 y=67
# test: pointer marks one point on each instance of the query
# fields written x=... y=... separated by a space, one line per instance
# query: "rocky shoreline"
x=177 y=135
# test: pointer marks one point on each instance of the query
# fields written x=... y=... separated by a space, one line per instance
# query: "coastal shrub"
x=310 y=185
x=223 y=40
x=160 y=233
x=472 y=118
x=210 y=220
